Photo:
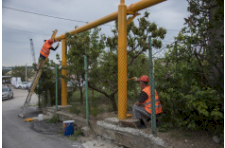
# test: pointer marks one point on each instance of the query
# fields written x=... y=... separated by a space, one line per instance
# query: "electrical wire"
x=42 y=14
x=26 y=31
x=56 y=17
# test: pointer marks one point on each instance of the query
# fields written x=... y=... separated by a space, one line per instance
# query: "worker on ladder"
x=45 y=50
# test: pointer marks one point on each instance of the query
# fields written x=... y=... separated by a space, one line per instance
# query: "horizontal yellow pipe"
x=108 y=18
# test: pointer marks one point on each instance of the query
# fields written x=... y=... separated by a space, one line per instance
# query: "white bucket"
x=40 y=117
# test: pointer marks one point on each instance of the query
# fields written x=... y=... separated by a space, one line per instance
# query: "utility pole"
x=32 y=50
x=26 y=72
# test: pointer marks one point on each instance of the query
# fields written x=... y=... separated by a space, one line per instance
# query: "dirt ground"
x=186 y=139
x=56 y=129
x=175 y=137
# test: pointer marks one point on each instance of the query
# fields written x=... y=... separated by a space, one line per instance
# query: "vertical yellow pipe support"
x=64 y=73
x=122 y=60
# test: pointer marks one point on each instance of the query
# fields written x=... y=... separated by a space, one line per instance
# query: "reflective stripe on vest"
x=45 y=50
x=157 y=106
x=147 y=103
x=150 y=102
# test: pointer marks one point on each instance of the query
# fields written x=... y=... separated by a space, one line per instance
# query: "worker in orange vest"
x=45 y=51
x=142 y=108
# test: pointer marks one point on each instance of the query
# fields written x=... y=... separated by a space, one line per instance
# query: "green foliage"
x=95 y=111
x=19 y=71
x=47 y=83
x=89 y=43
x=205 y=23
x=188 y=79
x=77 y=110
x=187 y=101
x=54 y=119
x=75 y=135
x=104 y=75
x=4 y=71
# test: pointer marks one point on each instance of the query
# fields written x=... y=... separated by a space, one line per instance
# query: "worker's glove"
x=134 y=78
x=57 y=45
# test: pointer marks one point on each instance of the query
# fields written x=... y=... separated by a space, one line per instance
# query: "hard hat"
x=50 y=41
x=144 y=78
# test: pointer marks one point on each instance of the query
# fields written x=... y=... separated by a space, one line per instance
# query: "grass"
x=98 y=103
x=54 y=119
x=75 y=135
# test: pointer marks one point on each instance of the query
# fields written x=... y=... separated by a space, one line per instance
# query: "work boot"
x=142 y=124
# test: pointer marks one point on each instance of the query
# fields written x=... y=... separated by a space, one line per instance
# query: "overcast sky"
x=19 y=27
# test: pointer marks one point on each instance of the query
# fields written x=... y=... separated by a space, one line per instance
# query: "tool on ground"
x=29 y=119
x=34 y=82
x=129 y=116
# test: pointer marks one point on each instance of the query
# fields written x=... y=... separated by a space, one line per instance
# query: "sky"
x=20 y=23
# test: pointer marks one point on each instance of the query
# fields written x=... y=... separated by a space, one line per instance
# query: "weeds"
x=54 y=119
x=76 y=134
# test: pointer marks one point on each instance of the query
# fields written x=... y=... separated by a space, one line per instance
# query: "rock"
x=85 y=130
x=186 y=140
x=216 y=139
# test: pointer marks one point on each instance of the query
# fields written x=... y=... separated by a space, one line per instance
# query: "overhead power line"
x=42 y=14
x=15 y=9
x=26 y=31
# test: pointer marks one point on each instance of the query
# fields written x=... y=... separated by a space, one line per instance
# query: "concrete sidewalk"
x=110 y=129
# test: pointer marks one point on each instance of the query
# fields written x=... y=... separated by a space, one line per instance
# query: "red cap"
x=144 y=78
x=50 y=41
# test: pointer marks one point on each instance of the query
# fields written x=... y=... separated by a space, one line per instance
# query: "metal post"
x=48 y=98
x=64 y=73
x=86 y=88
x=39 y=100
x=152 y=90
x=56 y=87
x=122 y=60
x=26 y=72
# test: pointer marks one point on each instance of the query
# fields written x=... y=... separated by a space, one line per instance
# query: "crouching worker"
x=142 y=108
x=45 y=51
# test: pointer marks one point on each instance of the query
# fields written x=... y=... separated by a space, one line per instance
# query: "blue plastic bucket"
x=68 y=126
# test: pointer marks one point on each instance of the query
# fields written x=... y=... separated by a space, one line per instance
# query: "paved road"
x=18 y=134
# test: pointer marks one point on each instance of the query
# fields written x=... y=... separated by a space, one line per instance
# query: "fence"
x=175 y=81
x=102 y=91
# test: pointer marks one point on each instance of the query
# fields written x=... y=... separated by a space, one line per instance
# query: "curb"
x=125 y=136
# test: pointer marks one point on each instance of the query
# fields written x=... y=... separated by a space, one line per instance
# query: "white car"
x=28 y=85
x=21 y=85
x=7 y=93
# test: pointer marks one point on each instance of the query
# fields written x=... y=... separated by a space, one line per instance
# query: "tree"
x=19 y=71
x=46 y=82
x=106 y=72
x=187 y=101
x=89 y=43
x=206 y=25
x=190 y=82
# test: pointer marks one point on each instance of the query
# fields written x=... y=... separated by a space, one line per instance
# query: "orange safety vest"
x=147 y=103
x=45 y=50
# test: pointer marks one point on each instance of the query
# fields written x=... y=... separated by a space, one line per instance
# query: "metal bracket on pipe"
x=54 y=34
x=131 y=19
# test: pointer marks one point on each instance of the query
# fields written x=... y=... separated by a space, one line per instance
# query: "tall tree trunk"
x=113 y=102
x=81 y=95
x=215 y=56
